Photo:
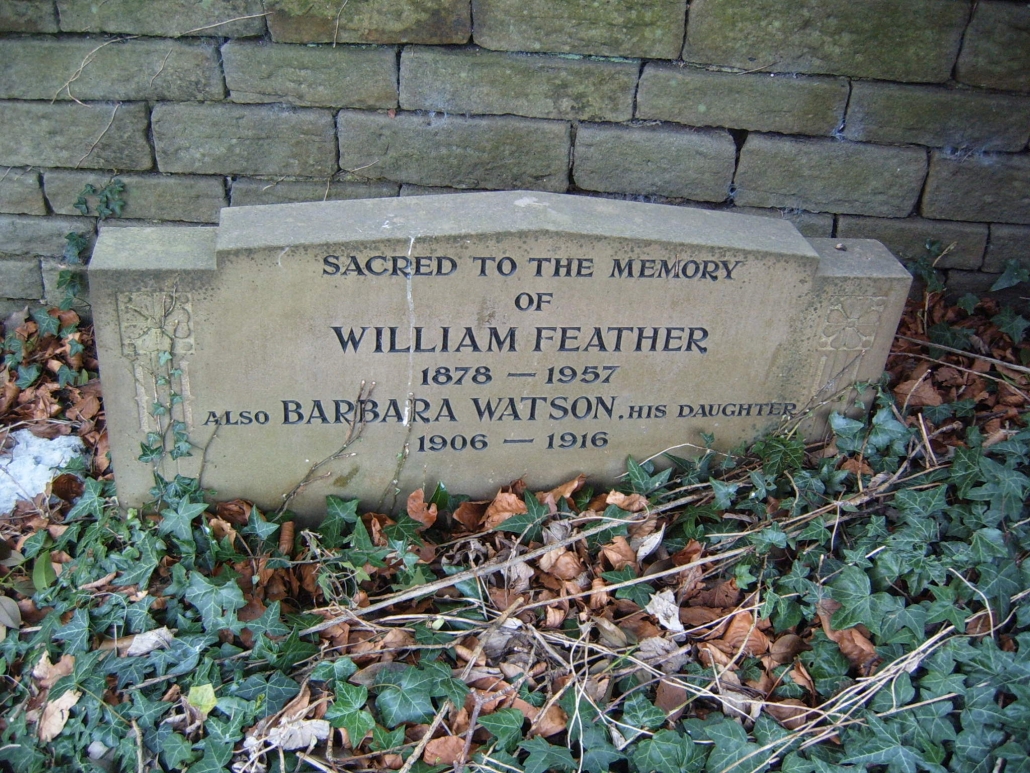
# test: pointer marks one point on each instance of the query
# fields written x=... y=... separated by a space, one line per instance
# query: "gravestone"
x=367 y=348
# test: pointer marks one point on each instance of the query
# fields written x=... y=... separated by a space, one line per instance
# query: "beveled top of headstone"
x=506 y=334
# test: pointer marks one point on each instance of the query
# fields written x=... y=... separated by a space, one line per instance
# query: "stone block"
x=651 y=325
x=908 y=237
x=996 y=48
x=27 y=235
x=97 y=68
x=901 y=40
x=147 y=196
x=28 y=16
x=990 y=187
x=95 y=135
x=937 y=116
x=248 y=191
x=493 y=83
x=244 y=139
x=815 y=225
x=655 y=160
x=615 y=28
x=787 y=104
x=492 y=153
x=433 y=22
x=824 y=175
x=211 y=18
x=20 y=278
x=1007 y=242
x=20 y=192
x=311 y=76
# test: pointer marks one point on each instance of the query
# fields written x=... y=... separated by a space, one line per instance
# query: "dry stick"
x=987 y=376
x=447 y=582
x=984 y=357
x=220 y=23
x=86 y=61
x=97 y=141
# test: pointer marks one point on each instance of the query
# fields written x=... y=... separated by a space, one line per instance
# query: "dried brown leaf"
x=55 y=715
x=419 y=511
x=444 y=751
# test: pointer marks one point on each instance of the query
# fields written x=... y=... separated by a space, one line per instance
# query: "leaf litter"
x=854 y=602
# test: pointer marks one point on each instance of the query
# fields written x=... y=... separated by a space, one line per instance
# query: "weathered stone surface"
x=493 y=83
x=907 y=238
x=616 y=28
x=147 y=196
x=437 y=22
x=991 y=187
x=782 y=103
x=20 y=192
x=244 y=139
x=428 y=190
x=654 y=324
x=681 y=163
x=311 y=76
x=248 y=191
x=824 y=175
x=1007 y=242
x=28 y=16
x=98 y=135
x=27 y=235
x=497 y=152
x=942 y=117
x=20 y=278
x=996 y=48
x=815 y=225
x=100 y=68
x=223 y=18
x=903 y=40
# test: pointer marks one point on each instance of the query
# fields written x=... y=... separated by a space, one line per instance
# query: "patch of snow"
x=28 y=468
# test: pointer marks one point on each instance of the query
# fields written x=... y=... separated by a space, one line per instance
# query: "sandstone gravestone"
x=470 y=339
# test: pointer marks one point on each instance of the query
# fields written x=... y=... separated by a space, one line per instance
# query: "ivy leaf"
x=258 y=526
x=405 y=696
x=724 y=493
x=217 y=600
x=881 y=744
x=341 y=515
x=1004 y=488
x=1013 y=274
x=348 y=711
x=506 y=726
x=1010 y=323
x=91 y=502
x=640 y=713
x=179 y=522
x=544 y=756
x=445 y=685
x=779 y=454
x=150 y=551
x=75 y=633
x=732 y=752
x=639 y=593
x=666 y=752
x=338 y=670
x=270 y=623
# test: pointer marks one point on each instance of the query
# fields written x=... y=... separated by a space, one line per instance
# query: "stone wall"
x=900 y=120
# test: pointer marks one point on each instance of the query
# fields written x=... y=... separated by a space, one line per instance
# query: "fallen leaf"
x=47 y=673
x=742 y=635
x=550 y=722
x=853 y=643
x=145 y=643
x=784 y=649
x=299 y=733
x=504 y=506
x=671 y=697
x=619 y=554
x=444 y=751
x=664 y=608
x=564 y=491
x=55 y=715
x=419 y=511
x=470 y=514
x=631 y=503
x=791 y=713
